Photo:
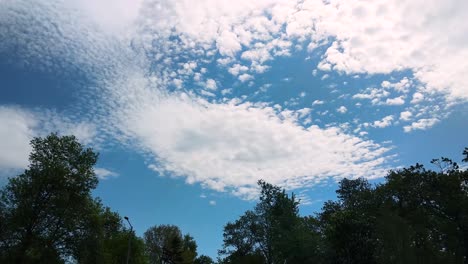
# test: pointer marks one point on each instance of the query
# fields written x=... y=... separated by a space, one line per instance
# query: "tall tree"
x=272 y=233
x=348 y=224
x=434 y=206
x=106 y=240
x=44 y=209
x=166 y=245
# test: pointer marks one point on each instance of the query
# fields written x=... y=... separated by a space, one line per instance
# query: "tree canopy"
x=48 y=214
x=165 y=244
x=417 y=215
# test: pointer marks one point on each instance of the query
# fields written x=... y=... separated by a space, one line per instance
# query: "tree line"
x=417 y=215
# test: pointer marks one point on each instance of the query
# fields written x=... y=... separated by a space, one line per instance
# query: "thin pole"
x=129 y=239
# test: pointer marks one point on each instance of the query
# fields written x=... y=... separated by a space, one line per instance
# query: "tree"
x=241 y=239
x=434 y=206
x=203 y=259
x=47 y=214
x=166 y=245
x=416 y=216
x=45 y=208
x=348 y=224
x=107 y=240
x=272 y=233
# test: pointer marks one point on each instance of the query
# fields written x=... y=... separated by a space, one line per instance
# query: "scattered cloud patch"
x=19 y=126
x=104 y=174
x=405 y=116
x=395 y=101
x=211 y=84
x=385 y=122
x=417 y=98
x=245 y=77
x=421 y=124
x=342 y=109
x=237 y=68
x=318 y=102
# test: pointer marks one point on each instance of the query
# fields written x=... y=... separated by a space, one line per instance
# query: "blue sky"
x=190 y=103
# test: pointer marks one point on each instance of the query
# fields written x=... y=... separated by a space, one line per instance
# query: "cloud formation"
x=104 y=174
x=376 y=37
x=19 y=126
x=230 y=146
x=149 y=62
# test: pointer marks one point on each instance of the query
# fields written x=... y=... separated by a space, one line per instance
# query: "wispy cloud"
x=19 y=126
x=104 y=174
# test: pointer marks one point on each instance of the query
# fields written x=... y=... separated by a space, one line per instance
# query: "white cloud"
x=323 y=66
x=237 y=68
x=379 y=37
x=417 y=98
x=394 y=37
x=104 y=174
x=16 y=130
x=74 y=36
x=115 y=15
x=211 y=84
x=212 y=202
x=245 y=77
x=19 y=126
x=342 y=109
x=374 y=94
x=230 y=146
x=402 y=86
x=318 y=102
x=421 y=124
x=395 y=101
x=228 y=43
x=178 y=83
x=406 y=115
x=385 y=122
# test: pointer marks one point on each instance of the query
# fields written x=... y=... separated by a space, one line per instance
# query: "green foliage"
x=416 y=216
x=49 y=216
x=272 y=233
x=107 y=240
x=45 y=209
x=166 y=245
x=202 y=259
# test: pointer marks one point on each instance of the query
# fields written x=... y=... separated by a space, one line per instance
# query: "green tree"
x=203 y=259
x=166 y=245
x=435 y=207
x=272 y=233
x=47 y=214
x=241 y=239
x=348 y=224
x=107 y=240
x=45 y=208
